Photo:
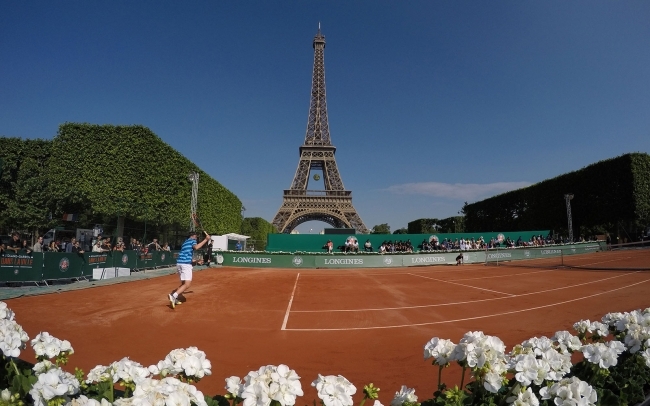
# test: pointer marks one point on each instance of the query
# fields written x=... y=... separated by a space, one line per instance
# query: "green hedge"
x=103 y=172
x=609 y=194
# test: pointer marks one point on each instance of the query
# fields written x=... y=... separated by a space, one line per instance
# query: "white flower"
x=440 y=349
x=582 y=326
x=190 y=361
x=168 y=391
x=285 y=386
x=467 y=345
x=635 y=336
x=377 y=403
x=234 y=386
x=334 y=390
x=127 y=371
x=566 y=341
x=12 y=338
x=43 y=367
x=599 y=328
x=48 y=346
x=524 y=398
x=605 y=355
x=646 y=356
x=404 y=395
x=570 y=391
x=5 y=312
x=85 y=401
x=256 y=394
x=5 y=395
x=54 y=383
x=100 y=373
x=529 y=369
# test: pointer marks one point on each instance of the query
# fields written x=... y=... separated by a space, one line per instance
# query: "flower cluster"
x=405 y=397
x=570 y=391
x=190 y=364
x=269 y=383
x=47 y=346
x=12 y=338
x=334 y=390
x=5 y=312
x=486 y=357
x=54 y=384
x=169 y=391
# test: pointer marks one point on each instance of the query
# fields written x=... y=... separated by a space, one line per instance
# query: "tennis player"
x=184 y=265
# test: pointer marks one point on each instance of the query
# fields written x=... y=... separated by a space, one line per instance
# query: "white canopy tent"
x=227 y=241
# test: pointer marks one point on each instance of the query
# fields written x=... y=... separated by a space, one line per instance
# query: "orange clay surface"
x=368 y=325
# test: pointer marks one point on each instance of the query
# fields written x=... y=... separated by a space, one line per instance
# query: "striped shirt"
x=187 y=249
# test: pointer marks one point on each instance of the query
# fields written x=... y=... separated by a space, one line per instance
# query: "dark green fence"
x=44 y=266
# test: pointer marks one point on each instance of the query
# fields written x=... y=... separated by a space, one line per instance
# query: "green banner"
x=62 y=265
x=21 y=267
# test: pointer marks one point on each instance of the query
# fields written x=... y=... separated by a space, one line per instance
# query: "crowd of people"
x=17 y=245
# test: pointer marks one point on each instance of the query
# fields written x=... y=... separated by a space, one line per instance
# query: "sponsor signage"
x=499 y=255
x=417 y=260
x=251 y=260
x=16 y=261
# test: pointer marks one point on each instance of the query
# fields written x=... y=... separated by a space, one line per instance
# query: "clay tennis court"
x=368 y=325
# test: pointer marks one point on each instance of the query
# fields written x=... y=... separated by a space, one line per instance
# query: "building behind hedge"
x=609 y=196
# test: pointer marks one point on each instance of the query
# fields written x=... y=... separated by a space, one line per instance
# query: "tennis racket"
x=197 y=224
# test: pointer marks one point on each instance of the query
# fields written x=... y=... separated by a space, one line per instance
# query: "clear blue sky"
x=431 y=103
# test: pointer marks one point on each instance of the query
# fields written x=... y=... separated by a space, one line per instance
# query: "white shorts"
x=185 y=271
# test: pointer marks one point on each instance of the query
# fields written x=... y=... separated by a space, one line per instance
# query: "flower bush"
x=614 y=370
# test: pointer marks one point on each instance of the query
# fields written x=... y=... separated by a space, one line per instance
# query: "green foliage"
x=24 y=192
x=423 y=226
x=381 y=229
x=609 y=192
x=258 y=229
x=128 y=170
x=402 y=230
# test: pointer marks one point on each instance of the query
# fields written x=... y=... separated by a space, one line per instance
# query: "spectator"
x=165 y=247
x=106 y=245
x=119 y=246
x=329 y=246
x=76 y=247
x=68 y=247
x=154 y=246
x=53 y=247
x=15 y=244
x=355 y=245
x=367 y=247
x=25 y=247
x=38 y=246
x=98 y=246
x=238 y=246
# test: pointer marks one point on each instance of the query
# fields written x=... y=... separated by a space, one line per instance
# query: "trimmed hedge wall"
x=607 y=195
x=107 y=171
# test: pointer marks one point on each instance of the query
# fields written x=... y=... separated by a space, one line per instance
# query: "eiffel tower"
x=334 y=204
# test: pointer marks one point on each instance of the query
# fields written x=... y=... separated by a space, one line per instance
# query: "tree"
x=402 y=230
x=25 y=200
x=258 y=229
x=381 y=229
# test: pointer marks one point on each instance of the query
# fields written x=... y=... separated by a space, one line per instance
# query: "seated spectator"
x=329 y=246
x=119 y=246
x=367 y=247
x=355 y=245
x=53 y=247
x=238 y=246
x=382 y=248
x=166 y=247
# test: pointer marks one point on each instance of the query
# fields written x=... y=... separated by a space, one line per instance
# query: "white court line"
x=286 y=315
x=465 y=302
x=467 y=318
x=460 y=284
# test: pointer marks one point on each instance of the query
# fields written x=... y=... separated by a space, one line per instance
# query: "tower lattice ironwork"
x=333 y=205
